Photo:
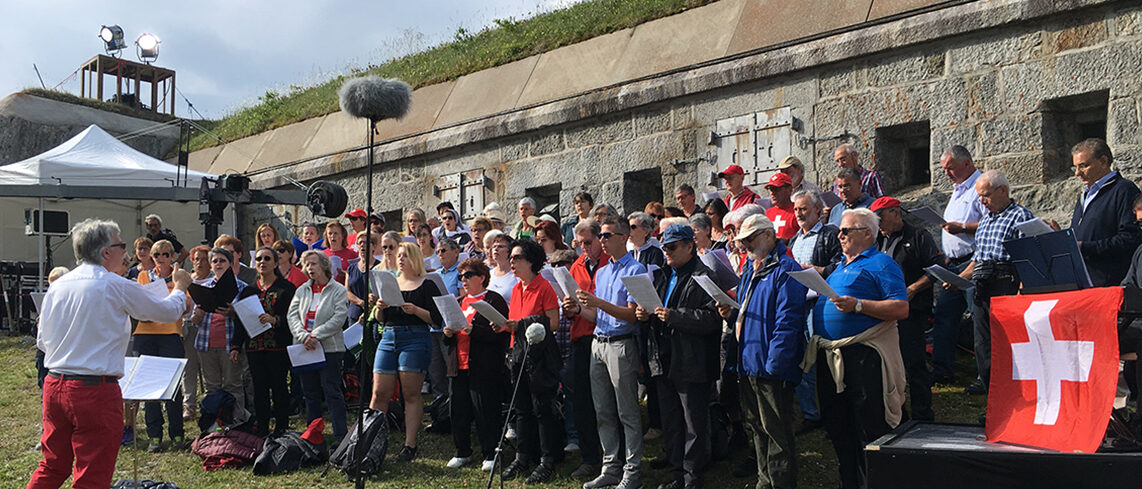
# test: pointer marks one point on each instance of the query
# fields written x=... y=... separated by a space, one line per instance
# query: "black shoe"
x=542 y=473
x=977 y=387
x=693 y=485
x=747 y=468
x=516 y=469
x=943 y=379
x=659 y=463
x=406 y=454
x=675 y=484
x=807 y=426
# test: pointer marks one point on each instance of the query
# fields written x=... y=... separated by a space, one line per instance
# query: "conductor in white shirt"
x=83 y=333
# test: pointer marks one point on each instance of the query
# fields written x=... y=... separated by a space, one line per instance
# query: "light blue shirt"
x=609 y=287
x=803 y=247
x=451 y=278
x=963 y=206
x=1093 y=189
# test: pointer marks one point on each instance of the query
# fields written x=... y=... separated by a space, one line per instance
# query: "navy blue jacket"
x=772 y=340
x=1107 y=231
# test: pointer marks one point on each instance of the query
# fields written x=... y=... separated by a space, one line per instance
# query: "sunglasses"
x=388 y=247
x=561 y=263
x=606 y=236
x=846 y=231
x=517 y=258
x=657 y=216
x=161 y=255
x=282 y=250
x=448 y=217
x=468 y=275
x=355 y=218
x=672 y=247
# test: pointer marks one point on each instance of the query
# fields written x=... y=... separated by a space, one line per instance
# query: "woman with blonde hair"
x=406 y=344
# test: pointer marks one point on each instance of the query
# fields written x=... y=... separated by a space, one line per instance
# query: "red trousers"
x=83 y=426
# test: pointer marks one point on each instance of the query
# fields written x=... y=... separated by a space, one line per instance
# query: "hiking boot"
x=155 y=446
x=516 y=469
x=189 y=413
x=629 y=482
x=178 y=444
x=542 y=474
x=652 y=434
x=406 y=454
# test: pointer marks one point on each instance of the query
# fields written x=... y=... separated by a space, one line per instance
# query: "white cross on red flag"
x=1054 y=368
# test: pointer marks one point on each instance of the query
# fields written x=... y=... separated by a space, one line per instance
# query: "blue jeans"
x=327 y=382
x=806 y=391
x=949 y=309
x=403 y=349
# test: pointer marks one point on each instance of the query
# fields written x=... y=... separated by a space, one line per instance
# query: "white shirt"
x=84 y=327
x=963 y=207
x=503 y=284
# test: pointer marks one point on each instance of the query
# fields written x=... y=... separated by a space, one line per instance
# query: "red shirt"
x=463 y=341
x=581 y=326
x=537 y=298
x=296 y=276
x=311 y=316
x=345 y=254
x=784 y=221
x=745 y=197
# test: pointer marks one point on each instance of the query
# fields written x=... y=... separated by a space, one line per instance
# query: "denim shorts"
x=403 y=349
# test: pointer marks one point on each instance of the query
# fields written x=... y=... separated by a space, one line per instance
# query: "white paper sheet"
x=449 y=308
x=38 y=299
x=641 y=289
x=944 y=275
x=353 y=335
x=486 y=310
x=154 y=378
x=248 y=310
x=716 y=292
x=722 y=273
x=548 y=274
x=437 y=279
x=928 y=215
x=721 y=255
x=1034 y=227
x=567 y=283
x=335 y=264
x=385 y=286
x=157 y=289
x=813 y=280
x=708 y=196
x=128 y=366
x=300 y=357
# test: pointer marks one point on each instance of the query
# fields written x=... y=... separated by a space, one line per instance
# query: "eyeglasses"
x=846 y=231
x=606 y=236
x=263 y=258
x=283 y=250
x=442 y=251
x=122 y=246
x=219 y=260
x=161 y=255
x=657 y=216
x=517 y=258
x=468 y=275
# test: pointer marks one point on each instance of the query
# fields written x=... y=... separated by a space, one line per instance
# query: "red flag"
x=1054 y=368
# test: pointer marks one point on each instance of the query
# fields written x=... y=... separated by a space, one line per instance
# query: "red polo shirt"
x=581 y=327
x=534 y=299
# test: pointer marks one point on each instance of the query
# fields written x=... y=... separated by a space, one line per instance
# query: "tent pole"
x=40 y=224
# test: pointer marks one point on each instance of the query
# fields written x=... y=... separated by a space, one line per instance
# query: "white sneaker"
x=511 y=435
x=571 y=447
x=488 y=465
x=458 y=462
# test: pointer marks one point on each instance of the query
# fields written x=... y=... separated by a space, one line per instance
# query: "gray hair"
x=849 y=174
x=447 y=243
x=588 y=225
x=866 y=217
x=701 y=221
x=322 y=261
x=1097 y=148
x=739 y=216
x=995 y=179
x=154 y=217
x=90 y=237
x=610 y=209
x=642 y=220
x=225 y=253
x=958 y=153
x=685 y=188
x=813 y=197
x=527 y=200
x=848 y=149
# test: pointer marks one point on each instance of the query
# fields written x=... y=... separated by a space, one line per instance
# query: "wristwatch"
x=858 y=307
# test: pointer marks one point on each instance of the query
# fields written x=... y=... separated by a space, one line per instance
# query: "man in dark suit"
x=1103 y=218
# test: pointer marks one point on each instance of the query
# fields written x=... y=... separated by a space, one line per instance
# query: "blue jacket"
x=772 y=340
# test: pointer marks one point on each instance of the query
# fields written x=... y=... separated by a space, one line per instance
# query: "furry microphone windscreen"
x=375 y=98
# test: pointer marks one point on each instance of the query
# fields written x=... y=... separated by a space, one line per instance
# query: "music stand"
x=1049 y=262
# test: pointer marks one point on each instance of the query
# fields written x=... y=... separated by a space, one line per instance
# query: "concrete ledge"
x=238 y=155
x=576 y=68
x=680 y=40
x=485 y=92
x=757 y=26
x=285 y=143
x=754 y=66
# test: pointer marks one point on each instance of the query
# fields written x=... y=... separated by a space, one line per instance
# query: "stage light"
x=112 y=36
x=148 y=45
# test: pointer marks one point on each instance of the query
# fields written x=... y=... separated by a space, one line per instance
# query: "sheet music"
x=437 y=279
x=1034 y=227
x=765 y=203
x=708 y=196
x=449 y=308
x=720 y=268
x=385 y=286
x=300 y=357
x=928 y=215
x=641 y=289
x=128 y=366
x=335 y=264
x=248 y=310
x=353 y=335
x=548 y=274
x=567 y=283
x=154 y=378
x=944 y=275
x=716 y=292
x=831 y=199
x=813 y=280
x=491 y=313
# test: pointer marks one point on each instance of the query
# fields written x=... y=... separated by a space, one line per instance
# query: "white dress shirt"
x=84 y=327
x=963 y=207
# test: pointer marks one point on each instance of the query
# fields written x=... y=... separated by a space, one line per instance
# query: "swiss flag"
x=1054 y=368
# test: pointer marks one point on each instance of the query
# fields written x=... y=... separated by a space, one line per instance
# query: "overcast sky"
x=227 y=53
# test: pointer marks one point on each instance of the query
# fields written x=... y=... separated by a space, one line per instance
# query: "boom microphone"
x=535 y=333
x=375 y=98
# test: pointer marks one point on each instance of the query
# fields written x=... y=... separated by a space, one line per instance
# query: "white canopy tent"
x=96 y=165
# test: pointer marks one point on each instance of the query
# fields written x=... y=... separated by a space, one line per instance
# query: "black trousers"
x=538 y=425
x=985 y=289
x=169 y=346
x=855 y=417
x=584 y=412
x=268 y=370
x=912 y=346
x=685 y=414
x=479 y=400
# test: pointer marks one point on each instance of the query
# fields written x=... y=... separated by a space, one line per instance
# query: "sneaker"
x=406 y=454
x=630 y=483
x=516 y=469
x=652 y=434
x=178 y=444
x=511 y=435
x=542 y=474
x=674 y=484
x=586 y=472
x=155 y=446
x=807 y=426
x=571 y=447
x=604 y=480
x=128 y=435
x=977 y=387
x=458 y=462
x=488 y=465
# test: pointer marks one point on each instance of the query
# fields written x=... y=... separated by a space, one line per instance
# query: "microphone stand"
x=359 y=479
x=497 y=462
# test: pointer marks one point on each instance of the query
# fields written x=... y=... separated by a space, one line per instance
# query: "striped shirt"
x=870 y=183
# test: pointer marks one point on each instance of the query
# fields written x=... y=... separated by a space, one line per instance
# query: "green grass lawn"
x=20 y=422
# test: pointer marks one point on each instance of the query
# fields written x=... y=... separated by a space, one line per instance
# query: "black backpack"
x=372 y=444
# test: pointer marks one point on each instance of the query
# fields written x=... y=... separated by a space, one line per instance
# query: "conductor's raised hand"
x=181 y=279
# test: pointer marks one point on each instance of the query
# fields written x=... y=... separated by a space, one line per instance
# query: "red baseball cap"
x=731 y=170
x=779 y=180
x=883 y=203
x=356 y=213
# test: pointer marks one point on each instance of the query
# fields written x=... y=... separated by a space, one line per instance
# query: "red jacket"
x=745 y=197
x=581 y=327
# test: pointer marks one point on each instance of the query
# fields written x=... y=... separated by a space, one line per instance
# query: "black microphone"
x=375 y=98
